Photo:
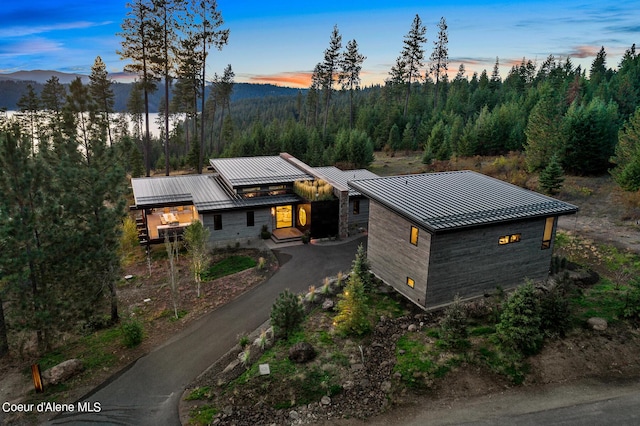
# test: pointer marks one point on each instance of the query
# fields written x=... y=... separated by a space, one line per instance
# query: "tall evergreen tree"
x=53 y=98
x=413 y=55
x=137 y=31
x=210 y=35
x=330 y=72
x=627 y=154
x=351 y=65
x=29 y=107
x=440 y=58
x=102 y=94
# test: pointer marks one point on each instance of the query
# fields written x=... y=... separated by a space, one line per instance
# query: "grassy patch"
x=228 y=266
x=202 y=415
x=93 y=353
x=199 y=393
x=605 y=300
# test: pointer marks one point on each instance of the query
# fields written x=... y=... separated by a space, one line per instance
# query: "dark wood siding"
x=393 y=258
x=361 y=218
x=472 y=262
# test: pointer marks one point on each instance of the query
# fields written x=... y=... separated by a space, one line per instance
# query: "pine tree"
x=627 y=155
x=413 y=56
x=29 y=107
x=351 y=65
x=102 y=94
x=330 y=72
x=440 y=58
x=552 y=176
x=352 y=317
x=210 y=35
x=53 y=98
x=361 y=268
x=137 y=29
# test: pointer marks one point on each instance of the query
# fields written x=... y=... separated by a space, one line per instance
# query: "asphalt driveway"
x=149 y=391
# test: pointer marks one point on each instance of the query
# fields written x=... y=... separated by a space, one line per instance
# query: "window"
x=548 y=232
x=414 y=236
x=356 y=206
x=250 y=219
x=508 y=239
x=217 y=222
x=410 y=282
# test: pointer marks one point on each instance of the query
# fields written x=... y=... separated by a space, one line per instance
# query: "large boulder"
x=301 y=352
x=62 y=372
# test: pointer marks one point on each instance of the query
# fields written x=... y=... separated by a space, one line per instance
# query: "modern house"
x=434 y=236
x=244 y=194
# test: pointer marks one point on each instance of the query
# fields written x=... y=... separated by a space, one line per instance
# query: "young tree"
x=440 y=58
x=361 y=268
x=413 y=56
x=350 y=74
x=196 y=237
x=287 y=314
x=552 y=176
x=520 y=322
x=352 y=318
x=171 y=244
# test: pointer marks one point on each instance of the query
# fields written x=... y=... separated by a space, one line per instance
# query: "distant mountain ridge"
x=14 y=85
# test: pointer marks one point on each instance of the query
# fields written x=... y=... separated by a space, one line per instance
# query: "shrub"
x=352 y=309
x=286 y=314
x=132 y=333
x=264 y=232
x=361 y=268
x=453 y=326
x=520 y=322
x=555 y=313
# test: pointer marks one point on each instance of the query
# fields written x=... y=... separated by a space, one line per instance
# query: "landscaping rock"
x=412 y=327
x=62 y=371
x=301 y=352
x=325 y=400
x=328 y=305
x=597 y=324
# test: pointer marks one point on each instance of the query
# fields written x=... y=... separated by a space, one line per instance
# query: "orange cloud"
x=584 y=51
x=291 y=79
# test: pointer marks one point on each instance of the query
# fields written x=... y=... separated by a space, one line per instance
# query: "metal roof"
x=246 y=171
x=344 y=176
x=450 y=200
x=203 y=191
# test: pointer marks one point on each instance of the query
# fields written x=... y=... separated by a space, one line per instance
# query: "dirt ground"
x=604 y=217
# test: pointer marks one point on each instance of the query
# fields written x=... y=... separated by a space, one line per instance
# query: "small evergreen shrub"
x=286 y=314
x=352 y=318
x=132 y=333
x=453 y=326
x=520 y=326
x=361 y=268
x=555 y=313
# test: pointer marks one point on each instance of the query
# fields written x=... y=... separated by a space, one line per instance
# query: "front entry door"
x=284 y=217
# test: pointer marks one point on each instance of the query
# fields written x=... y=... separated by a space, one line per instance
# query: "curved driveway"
x=149 y=391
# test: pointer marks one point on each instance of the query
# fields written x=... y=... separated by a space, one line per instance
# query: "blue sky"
x=280 y=42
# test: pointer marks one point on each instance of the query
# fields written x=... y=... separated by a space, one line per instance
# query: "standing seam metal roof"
x=201 y=190
x=243 y=171
x=450 y=200
x=343 y=176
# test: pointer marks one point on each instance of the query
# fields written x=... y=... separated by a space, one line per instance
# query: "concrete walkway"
x=149 y=391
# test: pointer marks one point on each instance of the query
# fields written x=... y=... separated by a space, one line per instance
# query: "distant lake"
x=153 y=127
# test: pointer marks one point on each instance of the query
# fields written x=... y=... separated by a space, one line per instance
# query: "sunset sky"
x=281 y=41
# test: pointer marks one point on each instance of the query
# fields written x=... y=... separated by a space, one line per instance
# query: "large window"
x=217 y=222
x=548 y=232
x=284 y=217
x=250 y=218
x=414 y=236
